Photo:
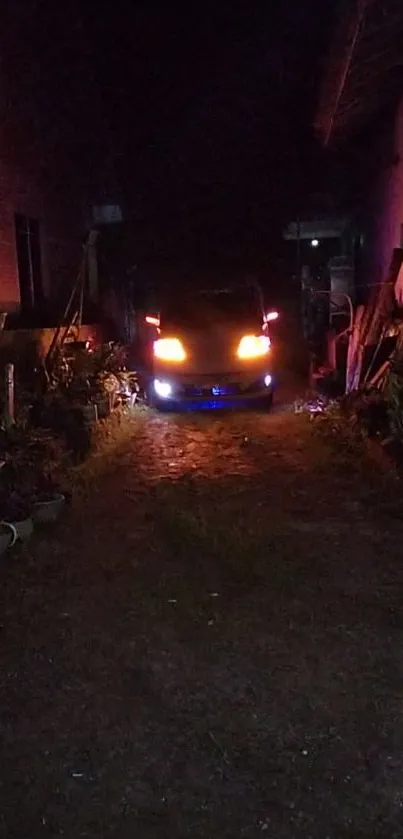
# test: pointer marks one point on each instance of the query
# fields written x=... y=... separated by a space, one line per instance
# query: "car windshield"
x=203 y=309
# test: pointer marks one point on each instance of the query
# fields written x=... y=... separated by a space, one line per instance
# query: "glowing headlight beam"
x=162 y=389
x=169 y=349
x=253 y=346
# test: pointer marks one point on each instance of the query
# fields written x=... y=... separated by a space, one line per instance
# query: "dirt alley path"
x=210 y=645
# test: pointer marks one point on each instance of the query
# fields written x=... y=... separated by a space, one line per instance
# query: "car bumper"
x=206 y=391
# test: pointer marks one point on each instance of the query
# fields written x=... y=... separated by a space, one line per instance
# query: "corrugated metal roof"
x=327 y=228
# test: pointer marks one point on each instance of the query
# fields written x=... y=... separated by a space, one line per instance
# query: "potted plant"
x=16 y=511
x=15 y=483
x=48 y=501
x=29 y=460
x=8 y=536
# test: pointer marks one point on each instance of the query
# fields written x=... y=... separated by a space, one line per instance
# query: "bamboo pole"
x=354 y=353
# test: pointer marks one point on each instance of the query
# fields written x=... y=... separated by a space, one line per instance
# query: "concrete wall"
x=15 y=342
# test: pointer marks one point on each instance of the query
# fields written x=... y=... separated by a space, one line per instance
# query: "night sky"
x=199 y=117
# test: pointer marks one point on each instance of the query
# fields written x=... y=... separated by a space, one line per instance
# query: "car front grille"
x=200 y=391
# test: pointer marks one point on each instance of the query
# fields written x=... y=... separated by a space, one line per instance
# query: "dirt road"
x=210 y=645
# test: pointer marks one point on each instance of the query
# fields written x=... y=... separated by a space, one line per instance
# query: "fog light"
x=162 y=389
x=267 y=381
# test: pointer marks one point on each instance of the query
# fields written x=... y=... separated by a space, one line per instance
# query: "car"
x=212 y=349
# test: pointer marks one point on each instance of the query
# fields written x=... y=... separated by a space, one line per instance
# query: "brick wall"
x=39 y=172
x=9 y=291
x=29 y=191
x=60 y=238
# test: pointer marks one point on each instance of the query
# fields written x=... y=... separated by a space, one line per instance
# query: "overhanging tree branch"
x=355 y=32
x=366 y=51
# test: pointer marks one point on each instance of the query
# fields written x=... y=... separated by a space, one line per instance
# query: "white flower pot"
x=46 y=512
x=24 y=528
x=8 y=536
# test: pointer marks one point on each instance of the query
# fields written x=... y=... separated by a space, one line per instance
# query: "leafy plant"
x=394 y=397
x=29 y=458
x=85 y=376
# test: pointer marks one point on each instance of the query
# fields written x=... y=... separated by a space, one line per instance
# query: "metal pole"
x=9 y=410
x=350 y=305
x=299 y=251
x=30 y=265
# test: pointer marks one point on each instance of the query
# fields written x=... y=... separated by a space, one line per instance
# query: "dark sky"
x=210 y=107
x=204 y=108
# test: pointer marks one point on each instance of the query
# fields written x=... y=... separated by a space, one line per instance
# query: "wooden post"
x=9 y=409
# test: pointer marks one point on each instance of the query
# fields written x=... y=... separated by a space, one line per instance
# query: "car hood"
x=212 y=350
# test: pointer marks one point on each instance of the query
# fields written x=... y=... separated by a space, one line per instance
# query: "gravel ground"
x=210 y=645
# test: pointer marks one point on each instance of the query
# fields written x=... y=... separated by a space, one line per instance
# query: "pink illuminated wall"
x=388 y=211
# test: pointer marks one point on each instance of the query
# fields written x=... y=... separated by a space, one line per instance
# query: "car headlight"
x=253 y=346
x=169 y=349
x=162 y=389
